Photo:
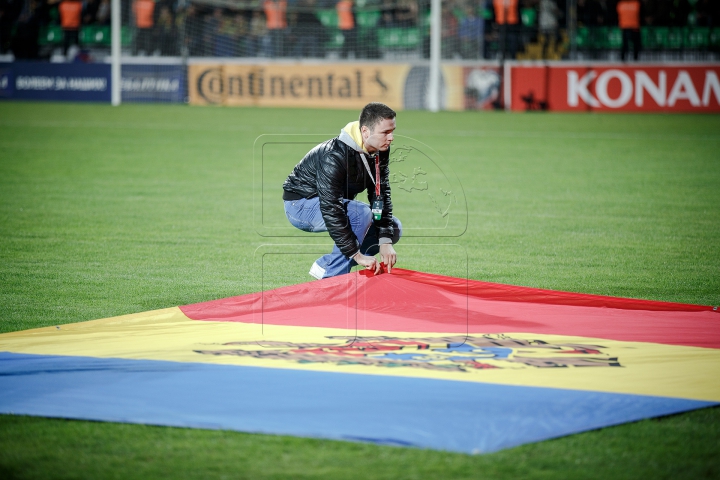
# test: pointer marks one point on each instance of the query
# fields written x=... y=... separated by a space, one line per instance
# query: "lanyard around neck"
x=376 y=179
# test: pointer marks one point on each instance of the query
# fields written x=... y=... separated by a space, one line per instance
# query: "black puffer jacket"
x=334 y=171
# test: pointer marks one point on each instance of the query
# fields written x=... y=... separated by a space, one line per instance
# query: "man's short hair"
x=374 y=113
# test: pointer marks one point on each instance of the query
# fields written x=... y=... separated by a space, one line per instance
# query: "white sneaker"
x=317 y=271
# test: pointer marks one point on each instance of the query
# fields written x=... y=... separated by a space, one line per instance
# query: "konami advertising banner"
x=642 y=88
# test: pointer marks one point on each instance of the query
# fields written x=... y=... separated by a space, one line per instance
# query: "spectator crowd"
x=665 y=13
x=302 y=28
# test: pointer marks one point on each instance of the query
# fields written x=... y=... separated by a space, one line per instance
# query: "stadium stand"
x=670 y=30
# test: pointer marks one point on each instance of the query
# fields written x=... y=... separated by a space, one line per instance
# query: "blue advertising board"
x=91 y=82
x=7 y=81
x=55 y=81
x=153 y=83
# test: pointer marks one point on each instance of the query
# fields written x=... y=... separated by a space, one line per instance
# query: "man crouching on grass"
x=320 y=193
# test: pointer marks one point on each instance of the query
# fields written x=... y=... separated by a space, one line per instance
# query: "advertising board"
x=482 y=87
x=350 y=86
x=55 y=81
x=153 y=83
x=607 y=87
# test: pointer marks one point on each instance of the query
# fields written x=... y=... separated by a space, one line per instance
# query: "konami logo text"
x=655 y=88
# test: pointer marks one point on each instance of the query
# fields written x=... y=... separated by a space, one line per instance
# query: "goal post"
x=434 y=101
x=115 y=65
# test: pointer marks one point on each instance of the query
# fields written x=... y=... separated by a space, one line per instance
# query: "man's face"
x=380 y=137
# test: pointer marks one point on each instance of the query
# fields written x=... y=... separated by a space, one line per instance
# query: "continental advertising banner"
x=342 y=85
x=643 y=88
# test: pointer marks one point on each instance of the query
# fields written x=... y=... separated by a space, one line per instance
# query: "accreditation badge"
x=377 y=209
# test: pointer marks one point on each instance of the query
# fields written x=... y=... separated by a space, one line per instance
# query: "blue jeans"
x=305 y=215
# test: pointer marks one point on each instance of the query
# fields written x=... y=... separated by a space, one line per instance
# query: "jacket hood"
x=351 y=136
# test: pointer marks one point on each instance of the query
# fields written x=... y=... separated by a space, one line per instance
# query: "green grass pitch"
x=107 y=211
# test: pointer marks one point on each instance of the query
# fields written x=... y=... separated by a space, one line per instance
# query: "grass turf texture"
x=106 y=211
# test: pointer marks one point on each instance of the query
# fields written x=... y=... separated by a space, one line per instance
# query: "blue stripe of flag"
x=439 y=414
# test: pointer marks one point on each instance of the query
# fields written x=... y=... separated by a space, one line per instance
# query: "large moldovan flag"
x=405 y=358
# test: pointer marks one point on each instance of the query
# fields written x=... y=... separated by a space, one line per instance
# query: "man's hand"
x=370 y=263
x=389 y=257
